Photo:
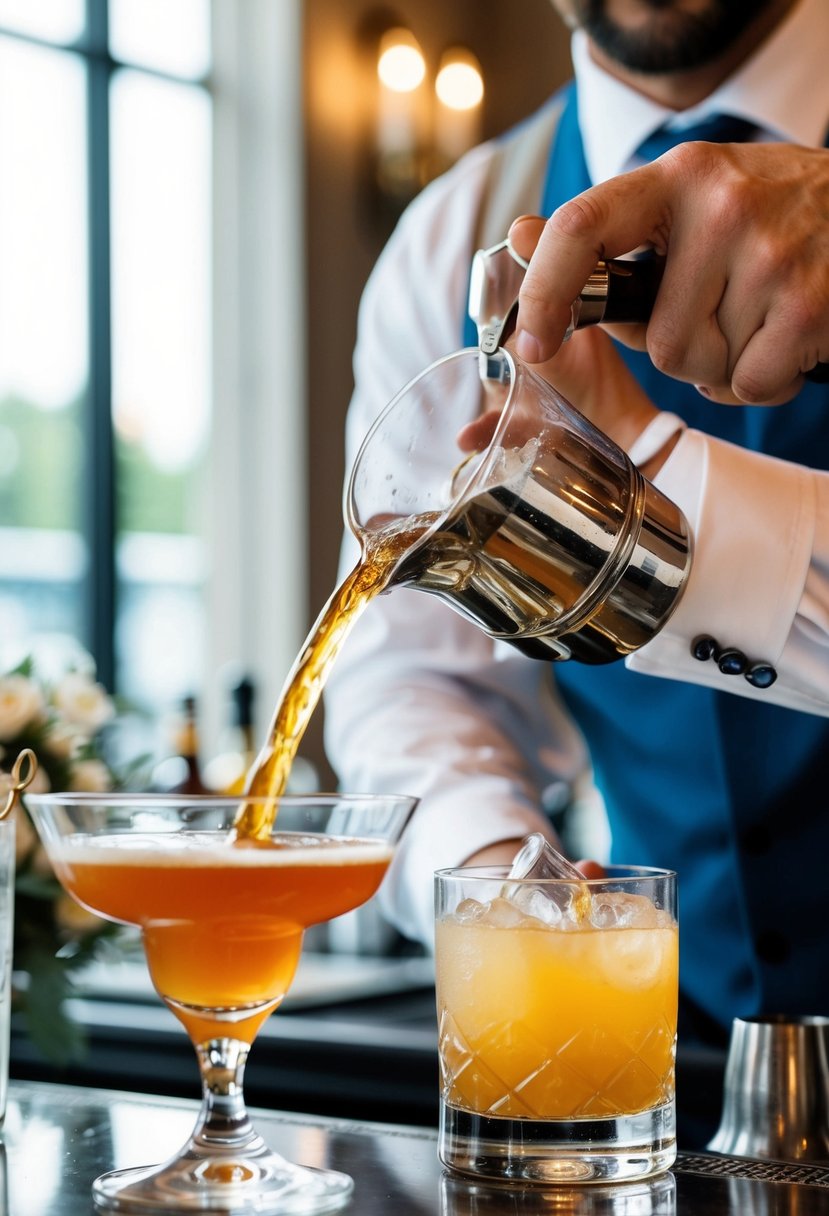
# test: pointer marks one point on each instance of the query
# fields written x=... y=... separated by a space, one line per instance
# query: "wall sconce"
x=459 y=89
x=402 y=116
x=422 y=126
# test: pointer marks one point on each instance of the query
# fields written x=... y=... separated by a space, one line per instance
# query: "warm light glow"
x=459 y=84
x=400 y=64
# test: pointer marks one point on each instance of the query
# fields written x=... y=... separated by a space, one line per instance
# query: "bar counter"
x=58 y=1138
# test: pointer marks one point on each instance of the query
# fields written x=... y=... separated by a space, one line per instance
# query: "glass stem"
x=223 y=1119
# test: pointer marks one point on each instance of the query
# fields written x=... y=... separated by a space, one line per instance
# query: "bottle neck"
x=188 y=741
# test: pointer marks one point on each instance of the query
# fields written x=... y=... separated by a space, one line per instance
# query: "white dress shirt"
x=421 y=701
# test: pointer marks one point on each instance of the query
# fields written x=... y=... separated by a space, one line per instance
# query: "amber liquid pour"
x=269 y=776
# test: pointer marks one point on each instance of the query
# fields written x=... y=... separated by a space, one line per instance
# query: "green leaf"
x=25 y=667
x=53 y=1033
x=136 y=775
x=37 y=886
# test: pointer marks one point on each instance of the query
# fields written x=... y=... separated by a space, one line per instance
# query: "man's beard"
x=668 y=39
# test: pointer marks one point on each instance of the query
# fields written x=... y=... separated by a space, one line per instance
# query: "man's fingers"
x=606 y=221
x=634 y=336
x=591 y=869
x=525 y=233
x=475 y=436
x=767 y=372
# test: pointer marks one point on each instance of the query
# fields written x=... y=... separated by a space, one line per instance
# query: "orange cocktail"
x=596 y=1008
x=222 y=922
x=557 y=1009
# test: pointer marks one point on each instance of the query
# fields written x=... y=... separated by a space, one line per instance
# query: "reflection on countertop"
x=58 y=1138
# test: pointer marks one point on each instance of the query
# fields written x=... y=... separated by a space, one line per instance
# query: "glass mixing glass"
x=524 y=516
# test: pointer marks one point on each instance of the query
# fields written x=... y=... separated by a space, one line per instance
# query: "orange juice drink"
x=556 y=1012
x=222 y=924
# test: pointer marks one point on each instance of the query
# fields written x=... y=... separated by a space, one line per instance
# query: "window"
x=105 y=250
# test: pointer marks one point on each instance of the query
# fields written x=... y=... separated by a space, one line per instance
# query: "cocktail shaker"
x=776 y=1092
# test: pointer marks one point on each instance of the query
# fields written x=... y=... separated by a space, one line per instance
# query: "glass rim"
x=455 y=356
x=500 y=873
x=159 y=799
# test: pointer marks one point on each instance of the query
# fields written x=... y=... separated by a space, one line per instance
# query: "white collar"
x=783 y=88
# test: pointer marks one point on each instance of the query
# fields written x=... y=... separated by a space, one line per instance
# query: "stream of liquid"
x=268 y=778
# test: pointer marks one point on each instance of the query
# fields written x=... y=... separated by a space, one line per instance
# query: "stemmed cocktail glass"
x=222 y=922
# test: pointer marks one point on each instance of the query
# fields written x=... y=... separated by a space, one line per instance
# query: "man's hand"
x=743 y=308
x=590 y=373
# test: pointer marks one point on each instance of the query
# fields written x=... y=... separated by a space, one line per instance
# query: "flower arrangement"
x=63 y=723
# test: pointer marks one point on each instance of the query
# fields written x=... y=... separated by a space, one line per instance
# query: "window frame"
x=255 y=605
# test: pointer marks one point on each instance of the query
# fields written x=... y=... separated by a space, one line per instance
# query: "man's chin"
x=656 y=37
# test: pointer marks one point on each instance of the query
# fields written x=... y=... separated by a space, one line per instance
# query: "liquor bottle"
x=181 y=773
x=226 y=772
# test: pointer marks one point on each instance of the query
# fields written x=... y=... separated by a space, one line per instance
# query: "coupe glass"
x=222 y=926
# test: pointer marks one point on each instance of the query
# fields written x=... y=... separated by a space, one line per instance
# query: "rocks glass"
x=557 y=1008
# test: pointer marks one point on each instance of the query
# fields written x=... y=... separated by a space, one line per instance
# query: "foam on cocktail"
x=217 y=849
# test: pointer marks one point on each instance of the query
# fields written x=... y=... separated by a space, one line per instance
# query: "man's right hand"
x=743 y=308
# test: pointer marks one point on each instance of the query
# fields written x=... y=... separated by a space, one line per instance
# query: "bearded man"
x=697 y=127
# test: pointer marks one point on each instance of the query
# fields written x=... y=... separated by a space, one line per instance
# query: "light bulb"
x=459 y=84
x=400 y=63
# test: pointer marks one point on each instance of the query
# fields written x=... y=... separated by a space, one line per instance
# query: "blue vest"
x=727 y=791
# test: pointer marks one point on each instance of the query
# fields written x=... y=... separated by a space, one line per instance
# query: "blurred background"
x=194 y=192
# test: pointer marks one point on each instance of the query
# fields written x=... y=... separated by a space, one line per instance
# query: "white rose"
x=82 y=702
x=63 y=740
x=90 y=776
x=21 y=702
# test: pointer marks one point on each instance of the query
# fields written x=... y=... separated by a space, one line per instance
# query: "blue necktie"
x=717 y=129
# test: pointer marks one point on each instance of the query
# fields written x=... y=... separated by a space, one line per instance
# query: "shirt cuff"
x=654 y=437
x=752 y=519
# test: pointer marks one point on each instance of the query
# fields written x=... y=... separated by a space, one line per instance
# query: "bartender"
x=710 y=745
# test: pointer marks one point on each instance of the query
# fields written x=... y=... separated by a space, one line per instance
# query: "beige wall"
x=523 y=49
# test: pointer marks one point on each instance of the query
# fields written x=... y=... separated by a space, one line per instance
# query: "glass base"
x=235 y=1184
x=549 y=1151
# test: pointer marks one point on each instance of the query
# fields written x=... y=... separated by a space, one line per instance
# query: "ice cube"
x=538 y=859
x=633 y=958
x=546 y=878
x=470 y=910
x=505 y=914
x=622 y=910
x=536 y=903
